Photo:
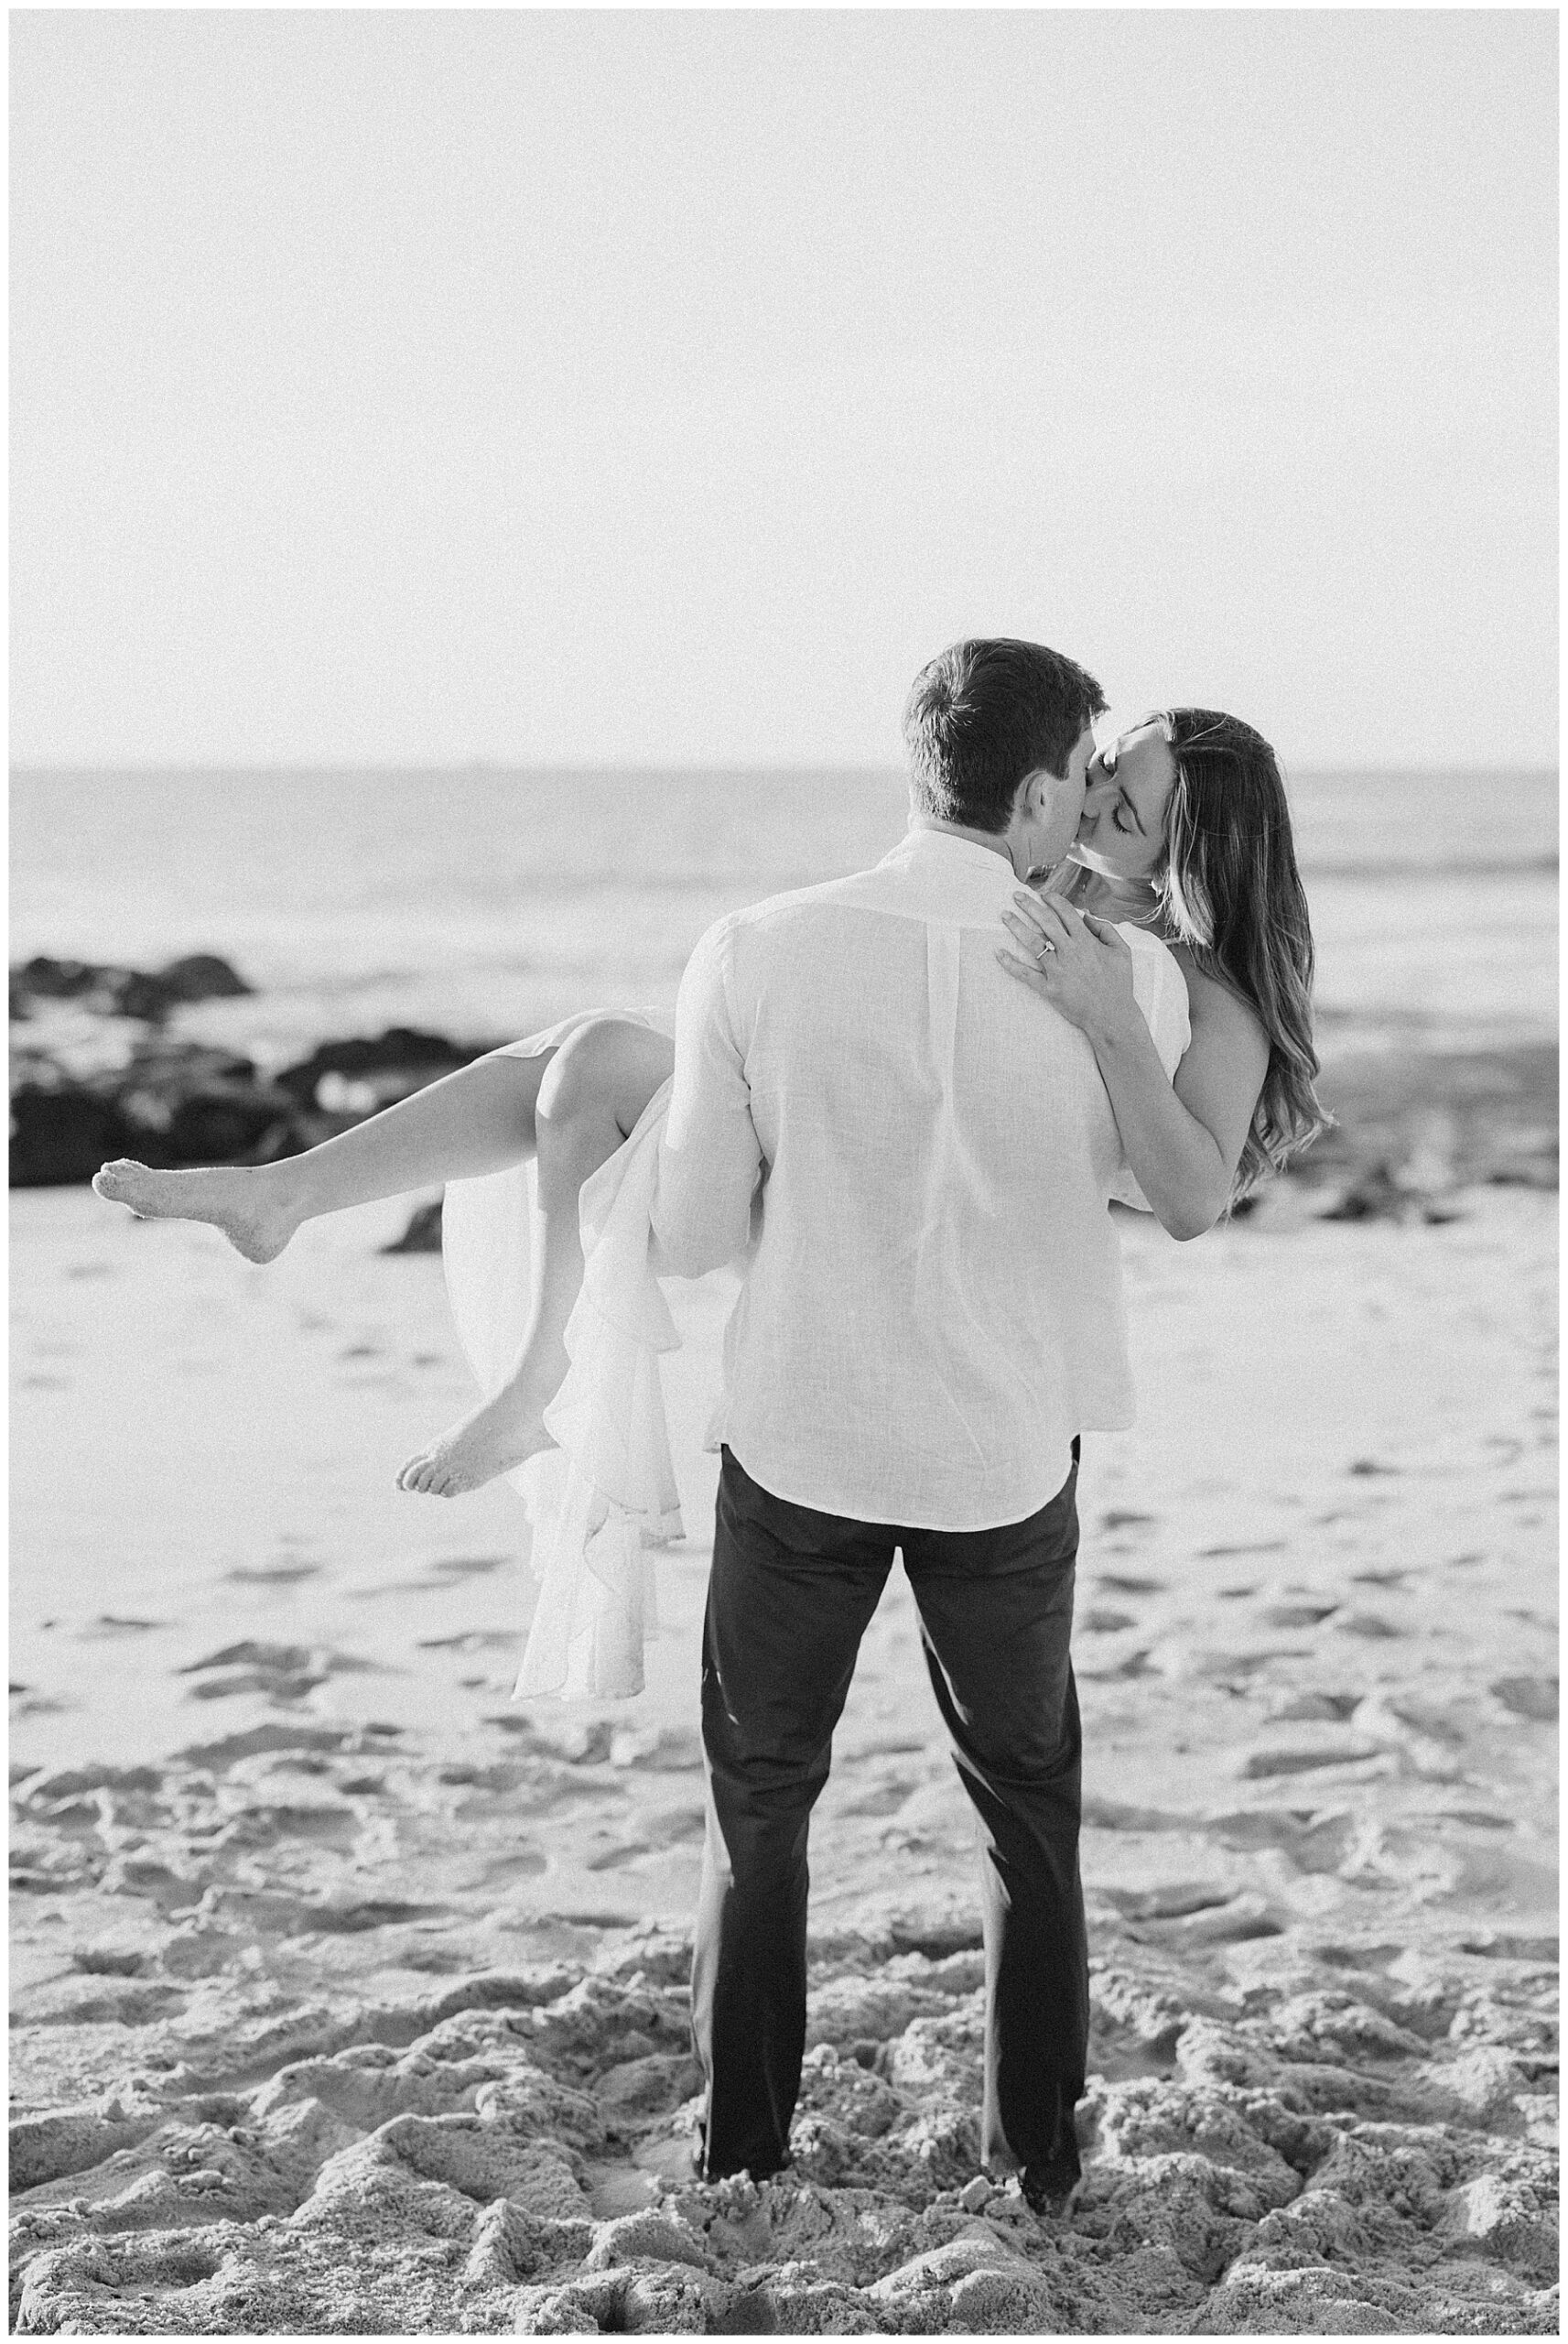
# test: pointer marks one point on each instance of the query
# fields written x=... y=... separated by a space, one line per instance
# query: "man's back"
x=933 y=1308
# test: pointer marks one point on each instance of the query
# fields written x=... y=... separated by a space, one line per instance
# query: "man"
x=929 y=1317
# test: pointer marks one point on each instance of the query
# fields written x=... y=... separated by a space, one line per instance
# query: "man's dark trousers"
x=791 y=1593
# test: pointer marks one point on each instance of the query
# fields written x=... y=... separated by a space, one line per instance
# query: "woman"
x=1186 y=831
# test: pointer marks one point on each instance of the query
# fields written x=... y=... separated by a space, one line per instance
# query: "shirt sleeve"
x=709 y=1157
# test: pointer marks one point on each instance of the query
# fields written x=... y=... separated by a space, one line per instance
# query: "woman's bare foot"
x=257 y=1223
x=494 y=1438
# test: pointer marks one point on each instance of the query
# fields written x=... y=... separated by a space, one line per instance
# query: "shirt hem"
x=903 y=1521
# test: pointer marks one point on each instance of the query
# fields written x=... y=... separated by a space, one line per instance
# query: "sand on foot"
x=492 y=1439
x=230 y=1198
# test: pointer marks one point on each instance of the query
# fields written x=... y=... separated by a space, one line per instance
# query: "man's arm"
x=709 y=1157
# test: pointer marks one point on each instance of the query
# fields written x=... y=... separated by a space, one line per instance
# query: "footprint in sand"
x=1263 y=1765
x=519 y=1863
x=1135 y=1665
x=439 y=1577
x=1172 y=1902
x=1529 y=1697
x=1298 y=1615
x=285 y=1660
x=1105 y=1623
x=272 y=1574
x=1115 y=1815
x=624 y=1851
x=885 y=1799
x=470 y=1640
x=1314 y=1841
x=1121 y=1585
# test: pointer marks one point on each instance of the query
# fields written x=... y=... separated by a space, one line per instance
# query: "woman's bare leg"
x=476 y=1120
x=599 y=1083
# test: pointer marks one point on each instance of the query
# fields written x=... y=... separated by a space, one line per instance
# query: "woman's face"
x=1122 y=835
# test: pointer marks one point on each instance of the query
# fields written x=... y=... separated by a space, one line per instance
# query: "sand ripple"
x=1295 y=2139
x=352 y=2014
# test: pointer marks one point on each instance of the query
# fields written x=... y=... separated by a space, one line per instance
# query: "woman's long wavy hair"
x=1229 y=890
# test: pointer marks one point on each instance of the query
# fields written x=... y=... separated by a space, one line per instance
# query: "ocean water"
x=488 y=903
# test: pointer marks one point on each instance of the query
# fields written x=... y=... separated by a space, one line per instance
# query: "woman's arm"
x=1184 y=1142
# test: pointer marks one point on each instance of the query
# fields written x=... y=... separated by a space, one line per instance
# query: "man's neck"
x=997 y=840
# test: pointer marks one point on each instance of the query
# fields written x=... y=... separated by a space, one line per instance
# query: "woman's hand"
x=1080 y=965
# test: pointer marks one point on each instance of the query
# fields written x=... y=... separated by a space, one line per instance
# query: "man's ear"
x=1044 y=788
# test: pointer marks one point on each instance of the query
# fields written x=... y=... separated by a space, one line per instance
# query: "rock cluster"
x=116 y=991
x=1414 y=1129
x=169 y=1100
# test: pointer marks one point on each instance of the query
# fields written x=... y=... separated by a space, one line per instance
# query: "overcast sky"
x=418 y=387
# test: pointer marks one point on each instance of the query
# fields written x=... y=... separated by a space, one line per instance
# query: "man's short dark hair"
x=983 y=714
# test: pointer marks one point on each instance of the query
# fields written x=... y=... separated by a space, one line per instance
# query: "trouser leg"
x=789 y=1597
x=995 y=1611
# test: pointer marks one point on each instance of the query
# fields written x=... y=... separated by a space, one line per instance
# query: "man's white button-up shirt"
x=931 y=1308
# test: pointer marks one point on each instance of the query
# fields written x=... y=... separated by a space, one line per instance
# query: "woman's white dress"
x=606 y=1493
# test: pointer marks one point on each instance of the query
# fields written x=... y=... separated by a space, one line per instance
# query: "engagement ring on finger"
x=1044 y=948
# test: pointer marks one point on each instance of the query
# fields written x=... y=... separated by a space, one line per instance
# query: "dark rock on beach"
x=61 y=1135
x=125 y=992
x=1414 y=1127
x=423 y=1234
x=358 y=1077
x=173 y=1103
x=170 y=1101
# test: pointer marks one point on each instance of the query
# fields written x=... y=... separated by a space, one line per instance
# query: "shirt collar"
x=923 y=846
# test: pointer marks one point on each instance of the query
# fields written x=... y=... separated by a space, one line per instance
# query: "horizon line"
x=619 y=769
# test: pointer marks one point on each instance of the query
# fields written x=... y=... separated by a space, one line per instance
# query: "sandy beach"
x=351 y=1997
x=490 y=488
